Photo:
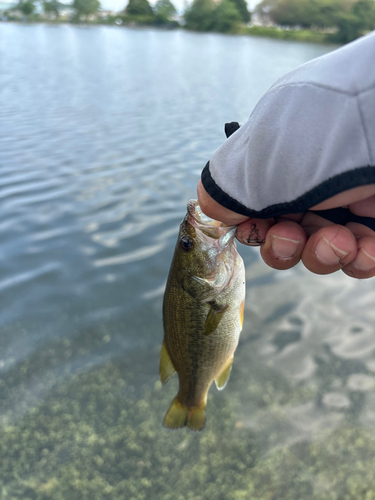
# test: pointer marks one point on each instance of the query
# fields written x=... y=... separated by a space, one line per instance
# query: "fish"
x=203 y=309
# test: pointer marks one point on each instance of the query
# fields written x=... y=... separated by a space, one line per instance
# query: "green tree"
x=241 y=7
x=139 y=8
x=84 y=8
x=327 y=12
x=27 y=7
x=205 y=15
x=225 y=17
x=164 y=11
x=360 y=19
x=52 y=7
x=348 y=28
x=364 y=11
x=198 y=16
x=305 y=13
x=351 y=18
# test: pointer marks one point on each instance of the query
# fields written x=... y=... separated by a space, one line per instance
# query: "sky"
x=117 y=5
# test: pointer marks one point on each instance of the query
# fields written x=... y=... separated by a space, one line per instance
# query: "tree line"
x=202 y=15
x=348 y=19
x=80 y=9
x=137 y=11
x=345 y=20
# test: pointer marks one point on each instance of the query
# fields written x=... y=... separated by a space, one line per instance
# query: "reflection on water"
x=104 y=134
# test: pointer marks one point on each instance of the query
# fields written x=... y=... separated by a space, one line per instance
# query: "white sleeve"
x=311 y=136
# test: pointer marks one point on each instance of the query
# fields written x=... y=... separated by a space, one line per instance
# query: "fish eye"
x=186 y=243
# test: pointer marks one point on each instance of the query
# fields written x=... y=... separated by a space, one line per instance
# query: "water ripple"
x=32 y=275
x=136 y=255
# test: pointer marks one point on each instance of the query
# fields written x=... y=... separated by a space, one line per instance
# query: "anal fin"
x=242 y=307
x=166 y=368
x=222 y=379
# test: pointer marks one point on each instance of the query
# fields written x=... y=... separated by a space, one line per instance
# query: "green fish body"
x=202 y=315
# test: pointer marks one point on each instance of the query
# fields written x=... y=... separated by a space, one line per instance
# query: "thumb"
x=213 y=209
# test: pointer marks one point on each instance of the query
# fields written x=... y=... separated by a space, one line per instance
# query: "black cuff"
x=342 y=182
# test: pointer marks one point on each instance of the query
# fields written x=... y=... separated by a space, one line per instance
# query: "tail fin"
x=180 y=415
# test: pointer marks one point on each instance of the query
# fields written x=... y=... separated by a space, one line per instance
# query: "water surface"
x=104 y=132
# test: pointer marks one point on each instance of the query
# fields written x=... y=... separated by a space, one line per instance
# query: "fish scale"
x=202 y=315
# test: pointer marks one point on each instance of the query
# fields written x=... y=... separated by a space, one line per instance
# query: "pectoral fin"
x=166 y=368
x=214 y=316
x=223 y=378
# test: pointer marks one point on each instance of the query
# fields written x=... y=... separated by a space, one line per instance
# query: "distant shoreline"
x=288 y=34
x=257 y=31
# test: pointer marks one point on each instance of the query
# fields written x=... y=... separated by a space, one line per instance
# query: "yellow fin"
x=223 y=378
x=176 y=416
x=166 y=368
x=242 y=307
x=214 y=316
x=179 y=416
x=196 y=419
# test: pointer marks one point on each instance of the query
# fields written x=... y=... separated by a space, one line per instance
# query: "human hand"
x=323 y=247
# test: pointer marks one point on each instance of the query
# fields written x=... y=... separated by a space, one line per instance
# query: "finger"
x=363 y=265
x=329 y=249
x=346 y=198
x=359 y=230
x=294 y=217
x=253 y=232
x=364 y=208
x=216 y=211
x=311 y=223
x=283 y=245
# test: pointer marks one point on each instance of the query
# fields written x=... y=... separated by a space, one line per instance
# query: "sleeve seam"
x=324 y=87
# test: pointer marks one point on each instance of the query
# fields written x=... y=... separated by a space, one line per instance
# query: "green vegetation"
x=139 y=8
x=165 y=11
x=27 y=7
x=360 y=19
x=223 y=17
x=283 y=34
x=84 y=8
x=321 y=21
x=346 y=19
x=139 y=11
x=198 y=15
x=98 y=436
x=52 y=7
x=305 y=13
x=241 y=7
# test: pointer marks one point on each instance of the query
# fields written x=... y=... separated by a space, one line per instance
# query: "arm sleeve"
x=311 y=136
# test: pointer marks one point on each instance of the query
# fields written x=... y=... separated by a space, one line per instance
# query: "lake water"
x=104 y=132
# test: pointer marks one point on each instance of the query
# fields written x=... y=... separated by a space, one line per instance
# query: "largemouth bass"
x=202 y=315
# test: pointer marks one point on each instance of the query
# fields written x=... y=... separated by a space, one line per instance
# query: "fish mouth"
x=210 y=227
x=216 y=239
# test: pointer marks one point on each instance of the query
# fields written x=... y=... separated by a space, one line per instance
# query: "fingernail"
x=327 y=253
x=364 y=261
x=284 y=248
